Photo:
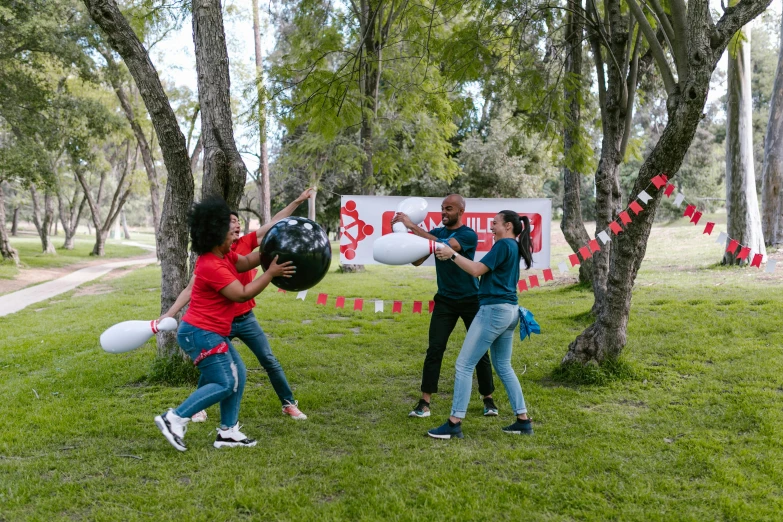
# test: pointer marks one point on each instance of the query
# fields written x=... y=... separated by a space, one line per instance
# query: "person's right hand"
x=403 y=218
x=286 y=269
x=162 y=317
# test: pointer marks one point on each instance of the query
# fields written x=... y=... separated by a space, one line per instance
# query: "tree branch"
x=660 y=58
x=732 y=21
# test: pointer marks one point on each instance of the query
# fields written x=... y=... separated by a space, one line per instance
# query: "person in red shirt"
x=245 y=325
x=204 y=330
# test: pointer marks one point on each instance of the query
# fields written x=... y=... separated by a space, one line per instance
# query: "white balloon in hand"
x=401 y=249
x=129 y=335
x=414 y=208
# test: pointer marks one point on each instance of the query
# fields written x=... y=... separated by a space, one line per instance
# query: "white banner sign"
x=363 y=219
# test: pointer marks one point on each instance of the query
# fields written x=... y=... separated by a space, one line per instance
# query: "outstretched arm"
x=287 y=211
x=240 y=293
x=474 y=268
x=182 y=299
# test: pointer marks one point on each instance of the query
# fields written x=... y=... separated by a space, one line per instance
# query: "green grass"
x=30 y=256
x=689 y=431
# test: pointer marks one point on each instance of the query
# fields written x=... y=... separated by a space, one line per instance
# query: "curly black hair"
x=209 y=222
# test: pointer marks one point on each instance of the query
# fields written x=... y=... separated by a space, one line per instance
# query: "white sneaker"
x=200 y=416
x=173 y=428
x=233 y=438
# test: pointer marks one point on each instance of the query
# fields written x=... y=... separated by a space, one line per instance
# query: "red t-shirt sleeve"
x=245 y=244
x=216 y=274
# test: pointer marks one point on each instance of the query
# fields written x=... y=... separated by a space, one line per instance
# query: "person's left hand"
x=304 y=196
x=444 y=253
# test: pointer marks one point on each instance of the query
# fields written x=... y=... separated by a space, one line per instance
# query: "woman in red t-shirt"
x=203 y=332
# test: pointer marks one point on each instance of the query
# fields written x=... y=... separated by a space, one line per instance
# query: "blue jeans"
x=249 y=331
x=493 y=330
x=222 y=375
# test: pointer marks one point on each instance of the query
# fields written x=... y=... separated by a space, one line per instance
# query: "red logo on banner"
x=353 y=228
x=480 y=222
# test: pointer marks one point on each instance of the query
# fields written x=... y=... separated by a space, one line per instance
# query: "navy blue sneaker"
x=520 y=427
x=446 y=431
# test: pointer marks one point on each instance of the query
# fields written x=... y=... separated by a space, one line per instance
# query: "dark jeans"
x=444 y=318
x=250 y=332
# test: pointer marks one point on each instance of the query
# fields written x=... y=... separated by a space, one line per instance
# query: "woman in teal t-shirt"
x=493 y=327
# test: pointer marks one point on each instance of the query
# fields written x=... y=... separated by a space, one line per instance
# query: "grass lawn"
x=30 y=256
x=694 y=434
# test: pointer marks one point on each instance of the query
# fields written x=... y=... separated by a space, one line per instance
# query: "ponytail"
x=522 y=233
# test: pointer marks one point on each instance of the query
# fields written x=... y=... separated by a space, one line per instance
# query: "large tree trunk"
x=705 y=43
x=772 y=178
x=262 y=179
x=43 y=222
x=6 y=250
x=125 y=231
x=224 y=171
x=70 y=216
x=173 y=234
x=742 y=209
x=370 y=75
x=572 y=224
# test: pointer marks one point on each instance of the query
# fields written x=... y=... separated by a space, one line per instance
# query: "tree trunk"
x=100 y=242
x=70 y=217
x=224 y=171
x=15 y=221
x=6 y=250
x=706 y=41
x=42 y=223
x=772 y=177
x=370 y=73
x=125 y=231
x=742 y=209
x=141 y=140
x=173 y=234
x=572 y=224
x=262 y=180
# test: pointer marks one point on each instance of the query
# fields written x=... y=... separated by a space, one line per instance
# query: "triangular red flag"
x=432 y=306
x=280 y=290
x=358 y=304
x=534 y=281
x=733 y=244
x=744 y=251
x=397 y=307
x=574 y=259
x=757 y=260
x=696 y=217
x=340 y=302
x=669 y=190
x=594 y=246
x=522 y=285
x=636 y=207
x=615 y=227
x=689 y=210
x=416 y=307
x=664 y=177
x=548 y=274
x=585 y=253
x=321 y=299
x=708 y=228
x=624 y=217
x=658 y=181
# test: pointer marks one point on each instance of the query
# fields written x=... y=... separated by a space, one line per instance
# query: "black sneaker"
x=233 y=438
x=446 y=431
x=520 y=427
x=490 y=410
x=421 y=410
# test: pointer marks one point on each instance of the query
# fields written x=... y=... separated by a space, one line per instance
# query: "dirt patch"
x=31 y=276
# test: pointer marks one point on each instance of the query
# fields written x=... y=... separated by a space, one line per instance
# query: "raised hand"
x=286 y=269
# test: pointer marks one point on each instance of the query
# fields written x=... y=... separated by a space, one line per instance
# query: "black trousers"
x=444 y=318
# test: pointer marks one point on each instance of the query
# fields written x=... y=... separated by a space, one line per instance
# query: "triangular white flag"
x=604 y=237
x=722 y=237
x=301 y=295
x=563 y=268
x=378 y=306
x=644 y=196
x=771 y=265
x=679 y=199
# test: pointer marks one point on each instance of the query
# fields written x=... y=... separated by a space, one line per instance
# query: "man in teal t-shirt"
x=457 y=297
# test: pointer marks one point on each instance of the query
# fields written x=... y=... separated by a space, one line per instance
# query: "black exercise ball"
x=305 y=243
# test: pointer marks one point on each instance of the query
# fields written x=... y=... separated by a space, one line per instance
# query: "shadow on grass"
x=171 y=371
x=592 y=374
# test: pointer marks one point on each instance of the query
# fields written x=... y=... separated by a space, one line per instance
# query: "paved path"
x=15 y=301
